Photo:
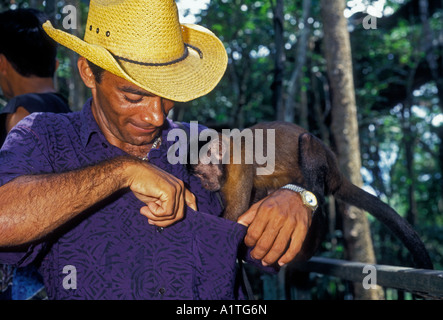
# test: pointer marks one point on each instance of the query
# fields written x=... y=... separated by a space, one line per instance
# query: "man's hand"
x=278 y=225
x=26 y=214
x=165 y=196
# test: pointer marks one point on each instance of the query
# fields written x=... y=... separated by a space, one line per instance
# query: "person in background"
x=27 y=66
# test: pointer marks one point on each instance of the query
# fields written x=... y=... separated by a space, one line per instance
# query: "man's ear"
x=86 y=73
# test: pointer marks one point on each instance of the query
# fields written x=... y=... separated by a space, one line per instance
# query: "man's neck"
x=33 y=85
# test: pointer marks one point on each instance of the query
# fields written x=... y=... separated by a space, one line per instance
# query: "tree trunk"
x=344 y=128
x=279 y=59
x=239 y=87
x=431 y=58
x=294 y=82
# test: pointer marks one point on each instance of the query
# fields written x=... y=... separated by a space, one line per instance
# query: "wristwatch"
x=309 y=199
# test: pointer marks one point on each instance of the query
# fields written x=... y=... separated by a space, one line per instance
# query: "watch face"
x=310 y=199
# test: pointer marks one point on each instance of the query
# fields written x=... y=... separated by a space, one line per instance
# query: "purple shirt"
x=112 y=252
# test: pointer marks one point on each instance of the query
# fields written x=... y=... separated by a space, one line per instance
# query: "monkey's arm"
x=237 y=190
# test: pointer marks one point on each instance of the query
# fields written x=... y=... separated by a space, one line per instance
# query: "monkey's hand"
x=277 y=227
x=165 y=196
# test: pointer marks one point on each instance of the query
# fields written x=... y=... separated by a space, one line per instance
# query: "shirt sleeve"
x=22 y=154
x=10 y=107
x=217 y=244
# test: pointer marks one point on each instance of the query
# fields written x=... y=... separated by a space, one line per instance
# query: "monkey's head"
x=210 y=175
x=209 y=168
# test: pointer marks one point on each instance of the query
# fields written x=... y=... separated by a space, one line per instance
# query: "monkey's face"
x=210 y=175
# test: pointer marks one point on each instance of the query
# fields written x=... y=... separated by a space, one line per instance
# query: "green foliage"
x=246 y=88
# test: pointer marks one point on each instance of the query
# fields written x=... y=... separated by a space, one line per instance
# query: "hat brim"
x=182 y=81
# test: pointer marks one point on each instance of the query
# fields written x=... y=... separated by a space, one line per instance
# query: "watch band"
x=293 y=187
x=309 y=199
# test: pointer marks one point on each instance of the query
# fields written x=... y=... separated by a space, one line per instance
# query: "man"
x=91 y=195
x=27 y=65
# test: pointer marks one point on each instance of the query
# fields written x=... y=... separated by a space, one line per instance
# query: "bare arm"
x=32 y=206
x=277 y=227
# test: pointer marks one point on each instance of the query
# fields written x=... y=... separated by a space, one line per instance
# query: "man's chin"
x=143 y=141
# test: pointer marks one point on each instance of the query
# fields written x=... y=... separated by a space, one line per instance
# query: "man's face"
x=130 y=117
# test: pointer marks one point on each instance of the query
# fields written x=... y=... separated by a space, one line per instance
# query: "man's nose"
x=153 y=111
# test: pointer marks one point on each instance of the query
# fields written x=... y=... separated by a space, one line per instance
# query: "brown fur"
x=304 y=160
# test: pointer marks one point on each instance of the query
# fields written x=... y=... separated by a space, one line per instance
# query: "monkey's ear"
x=218 y=147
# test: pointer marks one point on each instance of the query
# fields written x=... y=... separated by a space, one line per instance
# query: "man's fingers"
x=161 y=221
x=255 y=233
x=249 y=216
x=277 y=228
x=287 y=245
x=191 y=202
x=272 y=235
x=158 y=213
x=154 y=212
x=155 y=183
x=264 y=219
x=294 y=247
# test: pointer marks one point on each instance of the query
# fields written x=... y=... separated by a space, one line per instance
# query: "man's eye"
x=133 y=99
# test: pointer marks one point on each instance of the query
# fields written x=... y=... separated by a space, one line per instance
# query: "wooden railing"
x=420 y=282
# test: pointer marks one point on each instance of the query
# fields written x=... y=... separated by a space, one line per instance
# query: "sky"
x=193 y=5
x=376 y=8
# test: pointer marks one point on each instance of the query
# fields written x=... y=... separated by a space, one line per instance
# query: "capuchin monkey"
x=303 y=160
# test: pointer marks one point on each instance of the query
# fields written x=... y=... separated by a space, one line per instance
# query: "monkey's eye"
x=198 y=175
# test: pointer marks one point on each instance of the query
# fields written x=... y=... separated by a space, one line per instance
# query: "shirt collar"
x=89 y=126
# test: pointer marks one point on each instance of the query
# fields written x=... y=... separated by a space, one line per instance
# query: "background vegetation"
x=278 y=69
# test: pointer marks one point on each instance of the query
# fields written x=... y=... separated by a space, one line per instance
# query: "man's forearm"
x=34 y=205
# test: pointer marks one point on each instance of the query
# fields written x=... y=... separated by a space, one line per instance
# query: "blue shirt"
x=112 y=252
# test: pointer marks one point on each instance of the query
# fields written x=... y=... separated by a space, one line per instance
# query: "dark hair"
x=96 y=71
x=25 y=44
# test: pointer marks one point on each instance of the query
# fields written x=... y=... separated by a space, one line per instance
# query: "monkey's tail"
x=355 y=196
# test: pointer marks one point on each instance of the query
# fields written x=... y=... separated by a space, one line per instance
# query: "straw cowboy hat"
x=143 y=42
